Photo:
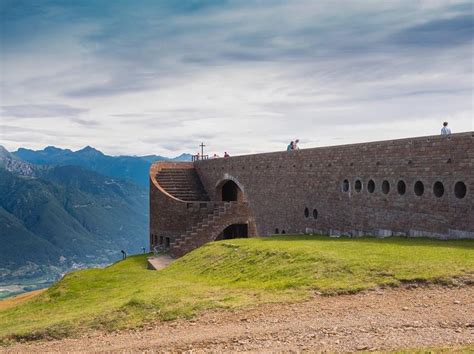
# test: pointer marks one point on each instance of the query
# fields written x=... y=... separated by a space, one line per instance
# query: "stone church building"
x=415 y=187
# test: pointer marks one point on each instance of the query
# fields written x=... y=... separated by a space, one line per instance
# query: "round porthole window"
x=345 y=185
x=419 y=188
x=385 y=187
x=358 y=186
x=371 y=186
x=401 y=187
x=460 y=190
x=438 y=189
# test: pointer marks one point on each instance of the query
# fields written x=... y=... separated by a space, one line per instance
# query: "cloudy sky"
x=159 y=77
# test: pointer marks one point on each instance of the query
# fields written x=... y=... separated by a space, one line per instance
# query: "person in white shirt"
x=295 y=145
x=445 y=130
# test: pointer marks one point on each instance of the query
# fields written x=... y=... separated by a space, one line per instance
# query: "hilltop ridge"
x=133 y=168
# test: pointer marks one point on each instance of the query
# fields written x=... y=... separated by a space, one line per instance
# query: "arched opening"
x=234 y=231
x=231 y=192
x=315 y=214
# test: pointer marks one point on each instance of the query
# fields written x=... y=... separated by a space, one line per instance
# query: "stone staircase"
x=183 y=184
x=209 y=228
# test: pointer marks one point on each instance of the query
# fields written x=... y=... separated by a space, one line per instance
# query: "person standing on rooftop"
x=295 y=145
x=445 y=130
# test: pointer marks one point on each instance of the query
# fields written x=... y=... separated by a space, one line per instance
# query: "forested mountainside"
x=61 y=210
x=54 y=218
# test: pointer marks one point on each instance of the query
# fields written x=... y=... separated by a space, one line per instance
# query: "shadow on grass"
x=401 y=241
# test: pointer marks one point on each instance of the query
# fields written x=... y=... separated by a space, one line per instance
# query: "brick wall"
x=341 y=190
x=171 y=217
x=279 y=187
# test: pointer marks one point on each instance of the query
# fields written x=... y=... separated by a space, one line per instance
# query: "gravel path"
x=387 y=319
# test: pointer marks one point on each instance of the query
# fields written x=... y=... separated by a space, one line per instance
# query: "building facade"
x=415 y=187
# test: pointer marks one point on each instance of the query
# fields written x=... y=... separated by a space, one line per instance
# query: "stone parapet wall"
x=305 y=191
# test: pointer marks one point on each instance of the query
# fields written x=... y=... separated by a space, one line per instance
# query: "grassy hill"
x=229 y=274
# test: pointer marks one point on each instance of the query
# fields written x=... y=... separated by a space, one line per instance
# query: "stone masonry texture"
x=351 y=190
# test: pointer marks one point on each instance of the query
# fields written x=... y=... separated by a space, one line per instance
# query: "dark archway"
x=234 y=231
x=231 y=192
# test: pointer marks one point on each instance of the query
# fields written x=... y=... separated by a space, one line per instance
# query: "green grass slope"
x=232 y=273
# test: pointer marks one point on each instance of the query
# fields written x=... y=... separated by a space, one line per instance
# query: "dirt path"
x=373 y=320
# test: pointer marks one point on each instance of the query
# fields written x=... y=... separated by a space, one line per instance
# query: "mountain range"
x=61 y=210
x=134 y=168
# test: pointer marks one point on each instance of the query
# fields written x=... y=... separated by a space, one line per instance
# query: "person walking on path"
x=445 y=130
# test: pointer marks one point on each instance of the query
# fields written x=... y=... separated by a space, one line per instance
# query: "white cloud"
x=243 y=77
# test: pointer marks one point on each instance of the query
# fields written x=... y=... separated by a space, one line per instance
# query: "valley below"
x=31 y=277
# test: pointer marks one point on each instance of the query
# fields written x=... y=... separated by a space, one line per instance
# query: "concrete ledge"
x=159 y=262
